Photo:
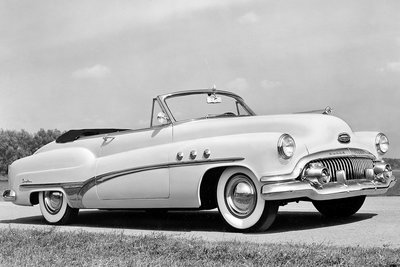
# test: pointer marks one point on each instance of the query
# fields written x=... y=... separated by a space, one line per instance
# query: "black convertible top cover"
x=73 y=135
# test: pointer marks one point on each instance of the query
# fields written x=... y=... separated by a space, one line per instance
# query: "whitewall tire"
x=55 y=209
x=240 y=203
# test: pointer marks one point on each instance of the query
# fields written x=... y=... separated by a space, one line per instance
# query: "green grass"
x=54 y=248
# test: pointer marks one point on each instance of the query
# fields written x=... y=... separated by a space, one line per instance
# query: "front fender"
x=258 y=150
x=368 y=139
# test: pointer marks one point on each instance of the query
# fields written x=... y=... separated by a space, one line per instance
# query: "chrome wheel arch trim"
x=67 y=189
x=74 y=191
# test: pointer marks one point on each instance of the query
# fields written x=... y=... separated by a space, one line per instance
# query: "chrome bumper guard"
x=315 y=184
x=9 y=195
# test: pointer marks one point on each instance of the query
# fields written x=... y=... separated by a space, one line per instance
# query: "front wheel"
x=55 y=209
x=240 y=203
x=344 y=207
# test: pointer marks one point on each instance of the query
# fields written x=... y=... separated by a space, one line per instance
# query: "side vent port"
x=34 y=198
x=208 y=188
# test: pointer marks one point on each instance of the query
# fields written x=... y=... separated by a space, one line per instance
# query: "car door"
x=133 y=164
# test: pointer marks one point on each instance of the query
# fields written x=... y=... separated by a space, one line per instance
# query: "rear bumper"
x=303 y=189
x=9 y=195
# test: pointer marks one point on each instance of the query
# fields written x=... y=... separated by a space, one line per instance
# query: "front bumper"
x=297 y=189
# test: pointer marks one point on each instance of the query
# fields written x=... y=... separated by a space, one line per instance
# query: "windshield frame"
x=162 y=99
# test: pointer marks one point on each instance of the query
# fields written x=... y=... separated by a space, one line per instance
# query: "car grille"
x=354 y=167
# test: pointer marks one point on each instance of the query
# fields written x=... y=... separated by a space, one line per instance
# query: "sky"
x=84 y=64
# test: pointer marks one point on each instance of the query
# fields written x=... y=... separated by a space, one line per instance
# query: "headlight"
x=286 y=146
x=382 y=143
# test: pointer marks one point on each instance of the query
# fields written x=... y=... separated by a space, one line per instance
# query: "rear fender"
x=49 y=171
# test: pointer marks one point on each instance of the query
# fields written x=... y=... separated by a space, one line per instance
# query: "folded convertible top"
x=73 y=135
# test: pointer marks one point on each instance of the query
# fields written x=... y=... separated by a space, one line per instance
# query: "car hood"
x=315 y=131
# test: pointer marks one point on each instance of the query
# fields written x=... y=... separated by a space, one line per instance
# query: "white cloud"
x=240 y=84
x=248 y=18
x=96 y=72
x=391 y=67
x=75 y=20
x=267 y=84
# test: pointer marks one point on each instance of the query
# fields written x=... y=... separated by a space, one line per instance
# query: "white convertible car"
x=206 y=149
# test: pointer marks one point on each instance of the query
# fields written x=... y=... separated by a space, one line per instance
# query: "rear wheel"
x=344 y=207
x=55 y=209
x=240 y=202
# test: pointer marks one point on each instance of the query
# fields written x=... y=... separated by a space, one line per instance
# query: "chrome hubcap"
x=53 y=201
x=240 y=195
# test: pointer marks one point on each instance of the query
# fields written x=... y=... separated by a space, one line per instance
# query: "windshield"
x=204 y=106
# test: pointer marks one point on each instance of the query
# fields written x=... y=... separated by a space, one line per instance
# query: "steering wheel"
x=229 y=114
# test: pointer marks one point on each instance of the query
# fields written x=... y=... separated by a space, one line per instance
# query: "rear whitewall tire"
x=259 y=216
x=63 y=214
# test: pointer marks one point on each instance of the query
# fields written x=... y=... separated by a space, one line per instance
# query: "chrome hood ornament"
x=328 y=110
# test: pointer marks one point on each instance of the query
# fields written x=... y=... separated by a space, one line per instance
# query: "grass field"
x=49 y=248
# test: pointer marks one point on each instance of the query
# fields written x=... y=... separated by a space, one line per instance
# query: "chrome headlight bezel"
x=286 y=146
x=381 y=143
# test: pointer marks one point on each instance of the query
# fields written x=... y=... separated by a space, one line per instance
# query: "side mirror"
x=162 y=118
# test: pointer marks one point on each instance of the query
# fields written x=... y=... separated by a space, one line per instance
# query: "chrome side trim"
x=76 y=190
x=111 y=175
x=69 y=186
x=343 y=152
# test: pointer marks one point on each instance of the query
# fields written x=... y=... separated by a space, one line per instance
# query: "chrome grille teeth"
x=361 y=166
x=342 y=167
x=332 y=170
x=350 y=167
x=354 y=167
x=336 y=167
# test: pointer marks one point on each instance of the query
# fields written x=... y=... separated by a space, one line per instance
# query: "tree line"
x=394 y=163
x=18 y=144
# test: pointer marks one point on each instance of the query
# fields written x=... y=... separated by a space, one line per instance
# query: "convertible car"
x=206 y=149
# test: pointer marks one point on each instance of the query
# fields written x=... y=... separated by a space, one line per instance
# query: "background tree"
x=18 y=144
x=395 y=163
